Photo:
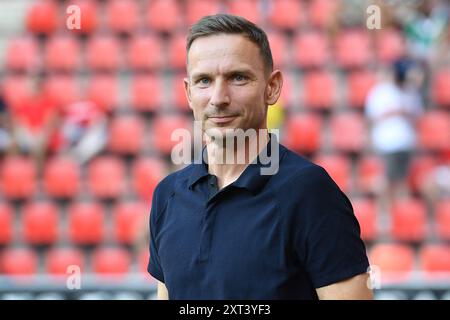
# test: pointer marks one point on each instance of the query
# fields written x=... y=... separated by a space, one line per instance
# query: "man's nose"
x=220 y=96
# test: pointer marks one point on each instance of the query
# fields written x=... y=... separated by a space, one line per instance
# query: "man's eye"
x=204 y=81
x=240 y=77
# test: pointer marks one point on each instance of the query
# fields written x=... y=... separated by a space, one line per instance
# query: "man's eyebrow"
x=246 y=71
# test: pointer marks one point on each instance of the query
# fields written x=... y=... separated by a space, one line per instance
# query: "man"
x=222 y=230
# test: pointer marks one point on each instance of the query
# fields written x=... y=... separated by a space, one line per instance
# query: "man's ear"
x=187 y=91
x=274 y=86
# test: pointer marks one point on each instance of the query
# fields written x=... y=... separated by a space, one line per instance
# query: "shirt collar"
x=251 y=178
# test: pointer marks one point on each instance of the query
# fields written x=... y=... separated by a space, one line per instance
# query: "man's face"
x=227 y=85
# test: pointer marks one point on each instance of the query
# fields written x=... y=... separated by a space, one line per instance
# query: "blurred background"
x=86 y=116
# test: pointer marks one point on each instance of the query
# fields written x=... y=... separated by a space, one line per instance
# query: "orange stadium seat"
x=40 y=221
x=144 y=52
x=147 y=92
x=195 y=9
x=421 y=166
x=106 y=177
x=320 y=90
x=22 y=54
x=122 y=16
x=322 y=12
x=338 y=167
x=435 y=258
x=62 y=53
x=178 y=99
x=278 y=45
x=365 y=211
x=249 y=9
x=42 y=17
x=62 y=177
x=409 y=220
x=434 y=129
x=164 y=15
x=442 y=217
x=177 y=51
x=353 y=48
x=389 y=45
x=146 y=173
x=6 y=223
x=311 y=49
x=285 y=14
x=396 y=261
x=303 y=132
x=348 y=132
x=440 y=85
x=130 y=220
x=63 y=89
x=18 y=177
x=18 y=261
x=359 y=84
x=103 y=91
x=58 y=260
x=86 y=221
x=89 y=15
x=370 y=174
x=111 y=261
x=162 y=129
x=126 y=134
x=103 y=53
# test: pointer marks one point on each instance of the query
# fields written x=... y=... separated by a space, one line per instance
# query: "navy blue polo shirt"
x=261 y=237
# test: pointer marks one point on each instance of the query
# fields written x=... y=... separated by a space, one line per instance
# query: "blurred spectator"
x=5 y=129
x=84 y=130
x=392 y=107
x=436 y=184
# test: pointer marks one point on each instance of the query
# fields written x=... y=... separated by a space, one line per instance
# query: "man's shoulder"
x=168 y=184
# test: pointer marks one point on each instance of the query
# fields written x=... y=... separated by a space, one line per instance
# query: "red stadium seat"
x=311 y=49
x=62 y=52
x=106 y=177
x=144 y=52
x=249 y=9
x=322 y=12
x=146 y=92
x=163 y=127
x=390 y=45
x=409 y=221
x=177 y=51
x=442 y=217
x=285 y=14
x=421 y=167
x=320 y=90
x=22 y=54
x=130 y=221
x=15 y=89
x=88 y=18
x=143 y=257
x=440 y=85
x=338 y=168
x=42 y=17
x=62 y=177
x=58 y=260
x=103 y=53
x=146 y=174
x=103 y=91
x=353 y=48
x=6 y=223
x=122 y=16
x=40 y=221
x=358 y=86
x=303 y=132
x=371 y=173
x=18 y=177
x=86 y=223
x=18 y=261
x=115 y=261
x=278 y=45
x=164 y=15
x=435 y=258
x=195 y=9
x=348 y=132
x=396 y=261
x=126 y=134
x=434 y=129
x=366 y=212
x=179 y=99
x=63 y=89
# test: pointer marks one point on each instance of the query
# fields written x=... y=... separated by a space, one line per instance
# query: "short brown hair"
x=230 y=24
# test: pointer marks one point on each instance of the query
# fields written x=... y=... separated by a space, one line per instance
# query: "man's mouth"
x=222 y=119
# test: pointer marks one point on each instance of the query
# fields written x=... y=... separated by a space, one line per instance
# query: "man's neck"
x=227 y=160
